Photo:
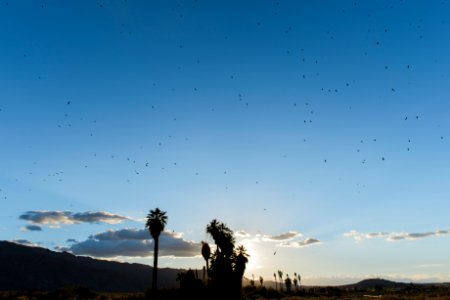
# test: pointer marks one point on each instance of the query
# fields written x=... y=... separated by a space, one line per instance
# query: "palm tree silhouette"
x=240 y=262
x=227 y=263
x=295 y=281
x=288 y=283
x=221 y=260
x=222 y=236
x=276 y=283
x=280 y=275
x=156 y=221
x=206 y=253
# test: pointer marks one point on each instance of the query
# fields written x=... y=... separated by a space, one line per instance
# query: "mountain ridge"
x=372 y=283
x=36 y=268
x=24 y=268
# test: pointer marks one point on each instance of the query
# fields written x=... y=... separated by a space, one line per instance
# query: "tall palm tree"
x=206 y=253
x=280 y=275
x=221 y=260
x=288 y=283
x=295 y=280
x=156 y=221
x=241 y=261
x=276 y=283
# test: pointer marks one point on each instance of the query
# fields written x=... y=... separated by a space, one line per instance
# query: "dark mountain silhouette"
x=25 y=268
x=377 y=283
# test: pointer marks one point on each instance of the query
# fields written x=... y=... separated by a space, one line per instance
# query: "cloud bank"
x=134 y=242
x=288 y=239
x=46 y=217
x=282 y=236
x=394 y=236
x=300 y=244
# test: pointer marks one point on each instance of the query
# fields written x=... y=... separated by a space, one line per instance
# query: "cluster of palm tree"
x=287 y=281
x=225 y=266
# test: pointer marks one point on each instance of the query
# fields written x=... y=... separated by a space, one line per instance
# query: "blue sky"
x=318 y=130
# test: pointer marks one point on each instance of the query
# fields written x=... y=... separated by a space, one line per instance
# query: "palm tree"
x=280 y=275
x=241 y=261
x=223 y=237
x=288 y=283
x=180 y=277
x=156 y=221
x=295 y=281
x=276 y=283
x=261 y=280
x=227 y=263
x=206 y=253
x=221 y=260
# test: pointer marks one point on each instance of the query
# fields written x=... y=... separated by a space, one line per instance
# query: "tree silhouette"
x=261 y=280
x=227 y=265
x=280 y=275
x=222 y=236
x=156 y=221
x=188 y=280
x=276 y=283
x=206 y=253
x=288 y=283
x=240 y=261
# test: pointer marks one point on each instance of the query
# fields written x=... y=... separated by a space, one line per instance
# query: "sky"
x=318 y=131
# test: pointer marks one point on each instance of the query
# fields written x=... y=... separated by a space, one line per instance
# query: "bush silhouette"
x=227 y=263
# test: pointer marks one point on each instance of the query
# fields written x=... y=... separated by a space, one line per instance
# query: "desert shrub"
x=73 y=292
x=252 y=293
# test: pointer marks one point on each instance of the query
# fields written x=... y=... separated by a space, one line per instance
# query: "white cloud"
x=282 y=236
x=55 y=218
x=290 y=239
x=300 y=244
x=135 y=242
x=242 y=234
x=394 y=236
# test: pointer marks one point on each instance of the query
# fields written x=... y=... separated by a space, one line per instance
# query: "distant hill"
x=377 y=283
x=25 y=268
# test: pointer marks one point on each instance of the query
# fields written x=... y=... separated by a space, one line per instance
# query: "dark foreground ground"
x=249 y=293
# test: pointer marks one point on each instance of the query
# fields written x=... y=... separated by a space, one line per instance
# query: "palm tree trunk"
x=155 y=265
